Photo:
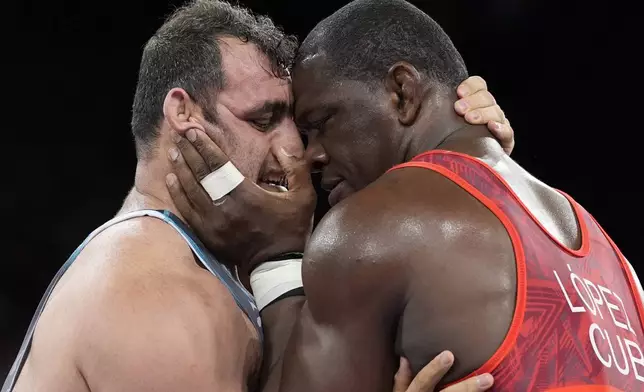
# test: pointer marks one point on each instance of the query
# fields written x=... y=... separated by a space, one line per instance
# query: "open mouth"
x=274 y=183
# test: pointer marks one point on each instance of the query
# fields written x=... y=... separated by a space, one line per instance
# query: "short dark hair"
x=185 y=53
x=363 y=39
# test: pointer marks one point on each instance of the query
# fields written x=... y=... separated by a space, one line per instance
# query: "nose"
x=315 y=153
x=287 y=136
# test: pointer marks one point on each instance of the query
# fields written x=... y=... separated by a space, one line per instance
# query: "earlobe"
x=180 y=111
x=404 y=84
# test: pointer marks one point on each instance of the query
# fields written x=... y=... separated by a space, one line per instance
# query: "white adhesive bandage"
x=222 y=181
x=272 y=279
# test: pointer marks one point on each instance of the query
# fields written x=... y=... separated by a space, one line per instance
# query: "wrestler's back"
x=465 y=302
x=115 y=311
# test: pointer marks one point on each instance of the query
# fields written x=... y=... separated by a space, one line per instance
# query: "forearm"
x=278 y=321
x=325 y=356
x=277 y=287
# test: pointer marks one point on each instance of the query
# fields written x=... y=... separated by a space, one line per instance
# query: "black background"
x=565 y=72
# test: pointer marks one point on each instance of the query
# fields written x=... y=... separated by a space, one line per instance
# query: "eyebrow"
x=277 y=108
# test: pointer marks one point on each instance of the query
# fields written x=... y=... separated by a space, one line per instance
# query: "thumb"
x=295 y=166
x=403 y=376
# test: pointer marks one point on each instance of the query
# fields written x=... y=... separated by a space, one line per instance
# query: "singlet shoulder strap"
x=242 y=297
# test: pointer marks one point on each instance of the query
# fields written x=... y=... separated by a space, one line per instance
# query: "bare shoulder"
x=136 y=305
x=404 y=215
x=162 y=335
x=402 y=207
x=144 y=239
x=364 y=243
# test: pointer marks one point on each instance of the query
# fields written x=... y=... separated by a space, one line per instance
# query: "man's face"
x=349 y=128
x=254 y=112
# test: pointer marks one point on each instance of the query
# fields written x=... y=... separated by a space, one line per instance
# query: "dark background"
x=565 y=72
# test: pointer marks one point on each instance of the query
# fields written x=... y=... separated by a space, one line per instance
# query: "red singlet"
x=578 y=320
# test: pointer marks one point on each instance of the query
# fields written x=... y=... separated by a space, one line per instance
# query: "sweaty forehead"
x=249 y=80
x=316 y=89
x=310 y=75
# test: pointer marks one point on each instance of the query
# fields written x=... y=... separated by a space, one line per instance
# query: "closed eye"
x=319 y=124
x=263 y=124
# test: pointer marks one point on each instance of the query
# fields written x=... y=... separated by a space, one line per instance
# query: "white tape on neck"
x=222 y=181
x=272 y=279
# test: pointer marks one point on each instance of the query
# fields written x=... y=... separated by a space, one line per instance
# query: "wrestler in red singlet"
x=578 y=323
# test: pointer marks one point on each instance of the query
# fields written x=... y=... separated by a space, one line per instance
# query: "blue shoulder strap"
x=243 y=298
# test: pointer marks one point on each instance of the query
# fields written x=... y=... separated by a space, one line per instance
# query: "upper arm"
x=359 y=273
x=160 y=353
x=344 y=338
x=146 y=327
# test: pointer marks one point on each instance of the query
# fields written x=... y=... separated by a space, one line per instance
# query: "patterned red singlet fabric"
x=578 y=322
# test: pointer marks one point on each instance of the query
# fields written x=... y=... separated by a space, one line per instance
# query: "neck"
x=440 y=127
x=150 y=191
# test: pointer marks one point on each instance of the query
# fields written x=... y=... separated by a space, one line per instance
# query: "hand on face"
x=478 y=106
x=429 y=377
x=250 y=225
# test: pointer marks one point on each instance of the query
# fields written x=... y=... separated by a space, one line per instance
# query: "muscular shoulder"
x=161 y=335
x=144 y=239
x=140 y=308
x=397 y=213
x=407 y=216
x=146 y=266
x=363 y=244
x=131 y=261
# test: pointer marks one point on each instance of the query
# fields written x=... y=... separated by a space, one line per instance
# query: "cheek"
x=245 y=146
x=342 y=149
x=357 y=146
x=348 y=137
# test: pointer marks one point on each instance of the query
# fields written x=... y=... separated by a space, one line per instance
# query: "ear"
x=403 y=82
x=180 y=111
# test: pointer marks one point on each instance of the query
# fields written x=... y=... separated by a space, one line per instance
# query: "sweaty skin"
x=406 y=263
x=135 y=312
x=432 y=267
x=372 y=276
x=200 y=156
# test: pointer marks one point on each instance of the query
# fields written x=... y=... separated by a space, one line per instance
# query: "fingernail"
x=463 y=91
x=484 y=380
x=170 y=179
x=496 y=126
x=288 y=154
x=446 y=358
x=461 y=106
x=475 y=116
x=191 y=135
x=175 y=136
x=173 y=153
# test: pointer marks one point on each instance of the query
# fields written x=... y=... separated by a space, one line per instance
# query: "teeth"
x=281 y=183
